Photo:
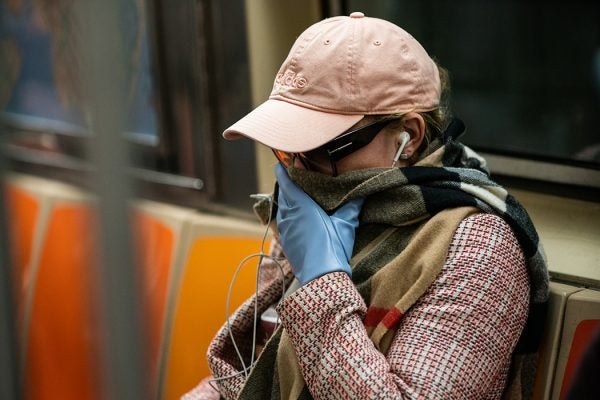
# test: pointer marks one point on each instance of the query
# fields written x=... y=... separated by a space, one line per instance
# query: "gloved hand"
x=314 y=242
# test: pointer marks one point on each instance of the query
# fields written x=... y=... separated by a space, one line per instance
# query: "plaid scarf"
x=407 y=223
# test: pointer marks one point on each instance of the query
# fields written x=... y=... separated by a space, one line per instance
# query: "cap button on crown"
x=357 y=14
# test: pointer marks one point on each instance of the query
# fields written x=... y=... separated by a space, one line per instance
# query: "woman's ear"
x=414 y=124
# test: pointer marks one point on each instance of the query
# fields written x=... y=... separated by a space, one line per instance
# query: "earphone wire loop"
x=261 y=255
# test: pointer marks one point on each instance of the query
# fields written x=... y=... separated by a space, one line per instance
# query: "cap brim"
x=289 y=127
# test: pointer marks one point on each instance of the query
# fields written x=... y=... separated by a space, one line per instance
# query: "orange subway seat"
x=155 y=243
x=200 y=307
x=581 y=338
x=62 y=353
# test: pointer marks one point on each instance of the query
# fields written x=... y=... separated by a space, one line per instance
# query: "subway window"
x=525 y=75
x=187 y=79
x=43 y=89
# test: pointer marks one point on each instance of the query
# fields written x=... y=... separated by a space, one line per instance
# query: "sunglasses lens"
x=317 y=159
x=314 y=160
x=285 y=158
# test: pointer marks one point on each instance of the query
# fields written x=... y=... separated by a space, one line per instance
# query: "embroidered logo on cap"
x=290 y=79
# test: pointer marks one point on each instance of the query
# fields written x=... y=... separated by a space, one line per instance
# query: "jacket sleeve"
x=456 y=342
x=205 y=390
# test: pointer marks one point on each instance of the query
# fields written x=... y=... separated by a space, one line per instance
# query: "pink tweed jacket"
x=456 y=342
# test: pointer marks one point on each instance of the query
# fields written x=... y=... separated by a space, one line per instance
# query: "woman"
x=413 y=273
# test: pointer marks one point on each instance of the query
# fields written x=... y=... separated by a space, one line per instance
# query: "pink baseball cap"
x=339 y=70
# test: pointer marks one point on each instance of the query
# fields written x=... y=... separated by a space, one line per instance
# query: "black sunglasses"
x=331 y=152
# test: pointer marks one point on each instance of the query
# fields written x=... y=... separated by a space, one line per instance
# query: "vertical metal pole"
x=104 y=67
x=10 y=388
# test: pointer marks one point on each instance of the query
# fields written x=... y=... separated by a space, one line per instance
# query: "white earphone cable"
x=261 y=256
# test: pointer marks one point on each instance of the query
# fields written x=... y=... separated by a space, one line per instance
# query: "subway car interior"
x=125 y=214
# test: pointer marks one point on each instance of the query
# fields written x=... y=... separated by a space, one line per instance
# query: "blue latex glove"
x=314 y=242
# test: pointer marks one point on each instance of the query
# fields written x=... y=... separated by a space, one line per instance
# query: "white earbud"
x=404 y=137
